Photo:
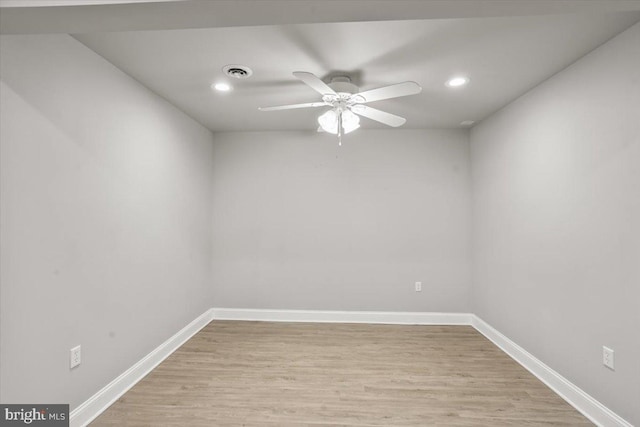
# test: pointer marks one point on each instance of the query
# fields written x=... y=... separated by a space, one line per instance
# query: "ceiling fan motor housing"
x=342 y=84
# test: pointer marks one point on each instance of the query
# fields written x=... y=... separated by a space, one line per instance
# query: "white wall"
x=299 y=223
x=556 y=222
x=106 y=213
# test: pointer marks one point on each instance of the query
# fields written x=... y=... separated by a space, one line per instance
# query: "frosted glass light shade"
x=329 y=121
x=350 y=121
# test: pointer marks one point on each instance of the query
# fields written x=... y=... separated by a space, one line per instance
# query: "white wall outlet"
x=418 y=286
x=75 y=357
x=607 y=358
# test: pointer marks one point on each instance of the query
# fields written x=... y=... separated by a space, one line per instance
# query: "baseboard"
x=96 y=404
x=576 y=397
x=318 y=316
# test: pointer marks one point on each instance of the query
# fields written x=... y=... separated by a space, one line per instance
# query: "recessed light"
x=467 y=123
x=222 y=87
x=457 y=81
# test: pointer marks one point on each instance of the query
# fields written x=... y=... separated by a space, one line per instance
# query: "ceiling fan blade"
x=292 y=106
x=379 y=116
x=314 y=83
x=386 y=92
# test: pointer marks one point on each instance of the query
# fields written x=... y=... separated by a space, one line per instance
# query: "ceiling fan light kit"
x=347 y=103
x=329 y=121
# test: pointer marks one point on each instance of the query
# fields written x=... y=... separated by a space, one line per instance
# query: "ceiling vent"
x=237 y=71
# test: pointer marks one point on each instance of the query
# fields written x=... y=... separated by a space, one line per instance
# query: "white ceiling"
x=177 y=48
x=504 y=57
x=58 y=16
x=55 y=3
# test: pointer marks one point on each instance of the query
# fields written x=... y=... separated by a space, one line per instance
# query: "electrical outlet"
x=418 y=286
x=607 y=358
x=75 y=357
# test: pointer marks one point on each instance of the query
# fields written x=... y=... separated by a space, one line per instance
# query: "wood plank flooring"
x=290 y=374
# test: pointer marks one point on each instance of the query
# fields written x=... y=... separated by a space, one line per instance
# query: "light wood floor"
x=285 y=374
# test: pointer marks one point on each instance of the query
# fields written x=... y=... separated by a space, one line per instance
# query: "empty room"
x=320 y=213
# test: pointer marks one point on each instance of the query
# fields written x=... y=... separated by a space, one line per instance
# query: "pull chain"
x=340 y=128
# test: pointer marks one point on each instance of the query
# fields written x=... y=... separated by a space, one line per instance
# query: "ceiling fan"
x=347 y=103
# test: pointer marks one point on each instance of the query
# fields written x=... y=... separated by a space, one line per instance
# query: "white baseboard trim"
x=595 y=411
x=96 y=404
x=319 y=316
